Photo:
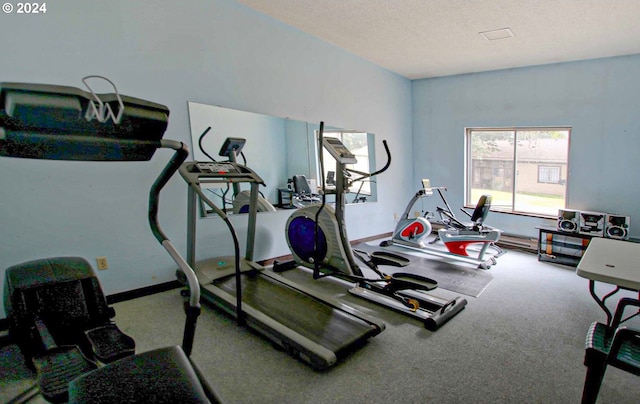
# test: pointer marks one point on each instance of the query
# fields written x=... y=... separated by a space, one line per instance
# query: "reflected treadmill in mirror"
x=238 y=200
x=277 y=148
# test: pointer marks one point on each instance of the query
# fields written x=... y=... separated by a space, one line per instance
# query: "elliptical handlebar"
x=380 y=171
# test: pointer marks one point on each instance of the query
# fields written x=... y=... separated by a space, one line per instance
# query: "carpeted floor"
x=520 y=341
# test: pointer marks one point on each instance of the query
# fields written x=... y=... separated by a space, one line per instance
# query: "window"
x=549 y=175
x=524 y=169
x=358 y=144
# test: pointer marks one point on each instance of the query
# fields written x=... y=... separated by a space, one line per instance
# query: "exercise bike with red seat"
x=457 y=236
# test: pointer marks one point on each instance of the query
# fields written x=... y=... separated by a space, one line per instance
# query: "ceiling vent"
x=502 y=33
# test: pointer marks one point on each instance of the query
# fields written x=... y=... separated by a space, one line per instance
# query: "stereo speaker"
x=617 y=226
x=568 y=220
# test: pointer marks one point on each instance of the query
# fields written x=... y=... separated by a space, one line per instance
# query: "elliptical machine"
x=457 y=236
x=317 y=237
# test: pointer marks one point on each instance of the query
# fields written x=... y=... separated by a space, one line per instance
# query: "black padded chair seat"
x=163 y=375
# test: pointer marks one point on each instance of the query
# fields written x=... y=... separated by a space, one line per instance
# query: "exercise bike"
x=456 y=235
x=317 y=237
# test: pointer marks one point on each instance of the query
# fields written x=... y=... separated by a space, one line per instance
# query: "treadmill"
x=316 y=329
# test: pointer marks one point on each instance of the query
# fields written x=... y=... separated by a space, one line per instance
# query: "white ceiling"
x=431 y=38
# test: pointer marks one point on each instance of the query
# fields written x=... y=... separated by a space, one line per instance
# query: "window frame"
x=468 y=169
x=364 y=187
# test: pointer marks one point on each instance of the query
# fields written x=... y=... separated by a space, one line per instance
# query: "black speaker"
x=568 y=220
x=617 y=226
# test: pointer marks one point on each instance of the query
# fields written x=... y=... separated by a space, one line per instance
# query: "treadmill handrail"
x=181 y=154
x=193 y=308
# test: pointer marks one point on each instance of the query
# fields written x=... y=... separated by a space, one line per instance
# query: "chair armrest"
x=625 y=350
x=622 y=305
x=622 y=334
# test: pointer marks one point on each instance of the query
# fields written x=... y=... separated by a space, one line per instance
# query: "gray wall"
x=208 y=51
x=597 y=98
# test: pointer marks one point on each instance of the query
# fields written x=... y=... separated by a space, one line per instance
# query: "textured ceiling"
x=430 y=38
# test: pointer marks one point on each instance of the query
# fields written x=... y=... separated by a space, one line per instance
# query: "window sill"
x=535 y=215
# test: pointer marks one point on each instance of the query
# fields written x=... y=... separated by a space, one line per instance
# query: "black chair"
x=59 y=318
x=610 y=345
x=331 y=178
x=302 y=193
x=49 y=122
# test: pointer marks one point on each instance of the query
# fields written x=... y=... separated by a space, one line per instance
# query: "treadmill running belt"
x=317 y=321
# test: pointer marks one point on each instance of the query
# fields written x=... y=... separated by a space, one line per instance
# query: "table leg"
x=601 y=301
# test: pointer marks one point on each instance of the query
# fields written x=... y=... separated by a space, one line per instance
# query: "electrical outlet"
x=102 y=262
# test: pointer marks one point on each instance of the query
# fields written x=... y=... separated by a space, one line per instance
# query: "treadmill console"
x=43 y=121
x=216 y=168
x=217 y=172
x=338 y=150
x=232 y=146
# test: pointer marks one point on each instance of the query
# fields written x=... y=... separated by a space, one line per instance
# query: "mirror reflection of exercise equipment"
x=317 y=237
x=232 y=148
x=360 y=196
x=291 y=140
x=457 y=236
x=302 y=193
x=314 y=328
x=331 y=179
x=64 y=123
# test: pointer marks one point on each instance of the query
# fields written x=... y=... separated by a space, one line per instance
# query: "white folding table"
x=615 y=262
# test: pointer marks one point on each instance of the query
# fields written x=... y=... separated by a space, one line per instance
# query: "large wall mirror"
x=278 y=149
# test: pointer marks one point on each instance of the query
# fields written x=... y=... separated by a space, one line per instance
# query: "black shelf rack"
x=561 y=247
